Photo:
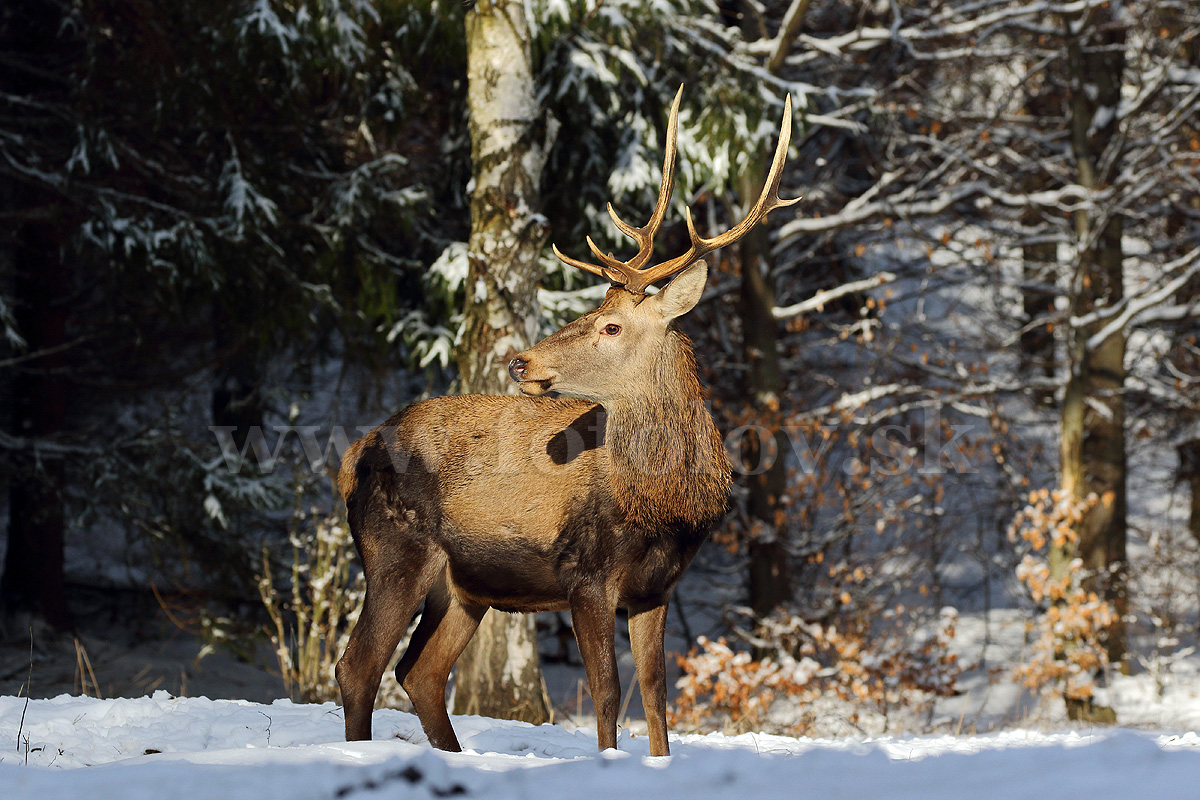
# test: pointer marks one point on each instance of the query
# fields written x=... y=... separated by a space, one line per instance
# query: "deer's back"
x=509 y=466
x=498 y=482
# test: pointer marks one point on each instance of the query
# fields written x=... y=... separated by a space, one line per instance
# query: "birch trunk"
x=498 y=675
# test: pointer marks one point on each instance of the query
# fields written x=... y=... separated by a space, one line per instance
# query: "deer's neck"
x=667 y=459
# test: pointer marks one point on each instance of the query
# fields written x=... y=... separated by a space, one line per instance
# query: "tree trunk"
x=236 y=400
x=1037 y=341
x=33 y=565
x=33 y=233
x=1189 y=472
x=769 y=579
x=1184 y=355
x=498 y=674
x=1039 y=260
x=1187 y=337
x=1093 y=413
x=1188 y=363
x=769 y=573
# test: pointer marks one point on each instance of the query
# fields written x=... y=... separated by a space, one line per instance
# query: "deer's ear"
x=683 y=292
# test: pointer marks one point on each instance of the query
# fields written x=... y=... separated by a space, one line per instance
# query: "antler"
x=626 y=272
x=631 y=274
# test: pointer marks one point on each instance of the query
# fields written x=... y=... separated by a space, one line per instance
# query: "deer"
x=591 y=490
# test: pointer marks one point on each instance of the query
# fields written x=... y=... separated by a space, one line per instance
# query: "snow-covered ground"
x=165 y=747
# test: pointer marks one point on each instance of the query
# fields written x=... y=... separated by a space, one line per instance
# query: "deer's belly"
x=505 y=561
x=543 y=541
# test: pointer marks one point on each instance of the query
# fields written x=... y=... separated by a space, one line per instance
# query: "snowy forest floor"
x=165 y=747
x=129 y=652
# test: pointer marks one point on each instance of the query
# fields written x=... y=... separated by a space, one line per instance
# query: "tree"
x=36 y=247
x=769 y=569
x=1093 y=460
x=1182 y=221
x=194 y=188
x=498 y=675
x=953 y=155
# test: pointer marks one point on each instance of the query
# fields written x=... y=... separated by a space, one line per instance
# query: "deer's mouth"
x=533 y=388
x=518 y=370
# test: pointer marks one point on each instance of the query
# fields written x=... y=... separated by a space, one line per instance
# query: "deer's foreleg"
x=594 y=618
x=647 y=624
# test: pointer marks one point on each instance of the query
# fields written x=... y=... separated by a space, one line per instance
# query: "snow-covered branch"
x=817 y=301
x=1119 y=316
x=788 y=29
x=855 y=400
x=855 y=213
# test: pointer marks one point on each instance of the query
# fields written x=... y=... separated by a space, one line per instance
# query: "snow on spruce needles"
x=165 y=747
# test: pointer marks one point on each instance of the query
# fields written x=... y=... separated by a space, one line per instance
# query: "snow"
x=164 y=747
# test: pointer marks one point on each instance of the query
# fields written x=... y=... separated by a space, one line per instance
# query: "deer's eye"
x=612 y=329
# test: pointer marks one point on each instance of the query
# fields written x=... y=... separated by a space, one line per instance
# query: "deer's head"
x=610 y=353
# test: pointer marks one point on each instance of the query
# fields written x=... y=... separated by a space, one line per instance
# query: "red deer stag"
x=539 y=503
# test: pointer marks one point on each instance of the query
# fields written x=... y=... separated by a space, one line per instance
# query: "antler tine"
x=644 y=235
x=613 y=264
x=768 y=200
x=626 y=272
x=574 y=262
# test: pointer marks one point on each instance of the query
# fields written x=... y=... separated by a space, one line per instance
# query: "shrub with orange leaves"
x=863 y=668
x=1068 y=637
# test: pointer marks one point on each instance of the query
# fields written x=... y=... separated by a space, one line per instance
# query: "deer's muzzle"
x=516 y=369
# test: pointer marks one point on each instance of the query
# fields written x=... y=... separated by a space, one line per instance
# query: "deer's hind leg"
x=400 y=567
x=445 y=628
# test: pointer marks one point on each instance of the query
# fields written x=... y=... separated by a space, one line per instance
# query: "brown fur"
x=537 y=504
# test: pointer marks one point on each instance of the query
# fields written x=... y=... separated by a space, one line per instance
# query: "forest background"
x=960 y=383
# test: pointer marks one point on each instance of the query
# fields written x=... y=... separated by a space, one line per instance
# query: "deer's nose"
x=516 y=369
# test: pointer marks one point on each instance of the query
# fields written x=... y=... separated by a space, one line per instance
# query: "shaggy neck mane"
x=668 y=460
